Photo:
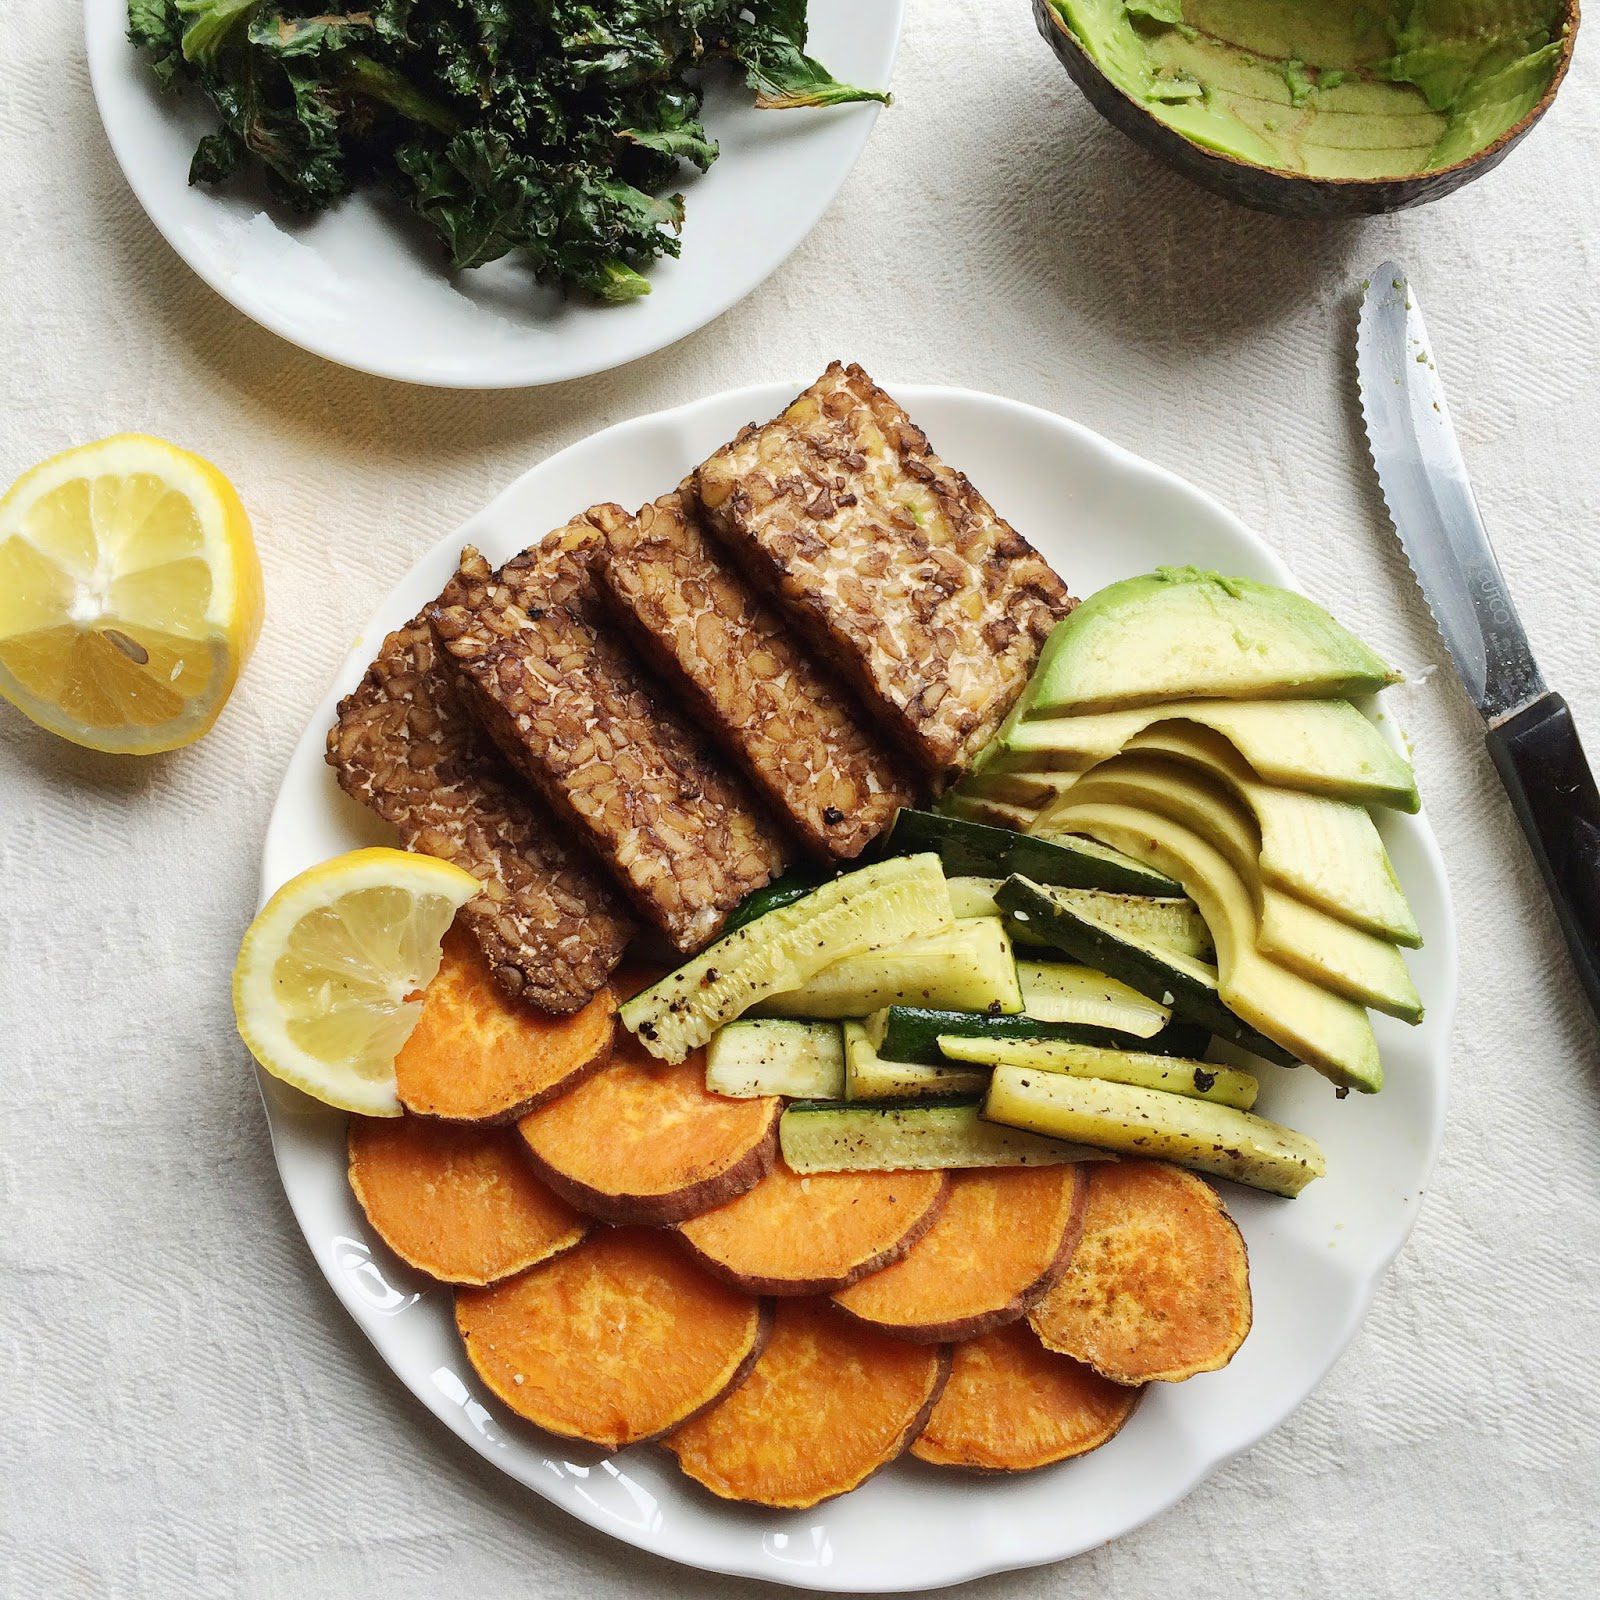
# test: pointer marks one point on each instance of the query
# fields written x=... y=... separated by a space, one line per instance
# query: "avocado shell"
x=1291 y=194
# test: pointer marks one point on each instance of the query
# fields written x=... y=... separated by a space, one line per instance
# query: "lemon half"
x=130 y=594
x=325 y=990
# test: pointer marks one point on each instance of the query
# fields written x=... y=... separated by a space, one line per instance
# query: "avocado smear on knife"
x=1329 y=88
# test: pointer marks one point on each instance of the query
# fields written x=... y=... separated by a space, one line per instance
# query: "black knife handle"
x=1547 y=776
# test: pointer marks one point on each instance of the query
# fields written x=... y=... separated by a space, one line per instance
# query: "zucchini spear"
x=864 y=910
x=1201 y=1080
x=1149 y=1122
x=1189 y=987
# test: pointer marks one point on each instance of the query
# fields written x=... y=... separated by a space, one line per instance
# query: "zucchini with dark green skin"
x=1188 y=987
x=971 y=849
x=780 y=892
x=911 y=1033
x=1174 y=924
x=1171 y=924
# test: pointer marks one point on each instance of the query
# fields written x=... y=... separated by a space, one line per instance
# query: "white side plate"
x=1098 y=514
x=365 y=285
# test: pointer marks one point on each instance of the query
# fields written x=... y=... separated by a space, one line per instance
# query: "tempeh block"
x=898 y=571
x=575 y=714
x=550 y=926
x=791 y=728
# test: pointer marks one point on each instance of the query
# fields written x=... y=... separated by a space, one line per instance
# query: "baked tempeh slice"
x=906 y=579
x=576 y=716
x=791 y=729
x=550 y=926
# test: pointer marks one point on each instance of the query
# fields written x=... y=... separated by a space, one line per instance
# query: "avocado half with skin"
x=1318 y=107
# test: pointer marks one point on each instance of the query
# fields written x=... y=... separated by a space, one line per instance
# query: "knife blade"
x=1430 y=499
x=1530 y=732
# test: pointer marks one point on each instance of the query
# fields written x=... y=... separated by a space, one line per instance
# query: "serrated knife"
x=1531 y=736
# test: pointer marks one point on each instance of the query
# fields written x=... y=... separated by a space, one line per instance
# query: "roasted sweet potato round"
x=1004 y=1237
x=462 y=1204
x=794 y=1234
x=644 y=1141
x=1011 y=1406
x=477 y=1055
x=615 y=1342
x=827 y=1404
x=1160 y=1286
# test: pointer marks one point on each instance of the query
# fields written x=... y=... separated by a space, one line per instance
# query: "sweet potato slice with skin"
x=478 y=1055
x=1160 y=1287
x=827 y=1405
x=808 y=1235
x=1004 y=1237
x=646 y=1142
x=1011 y=1406
x=461 y=1204
x=615 y=1343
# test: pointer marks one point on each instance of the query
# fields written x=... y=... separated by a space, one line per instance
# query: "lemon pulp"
x=130 y=594
x=326 y=986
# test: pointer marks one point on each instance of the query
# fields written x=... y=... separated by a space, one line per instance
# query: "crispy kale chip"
x=157 y=29
x=550 y=128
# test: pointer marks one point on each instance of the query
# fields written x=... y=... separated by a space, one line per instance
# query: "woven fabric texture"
x=185 y=1410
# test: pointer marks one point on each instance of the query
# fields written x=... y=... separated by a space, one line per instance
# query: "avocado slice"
x=1348 y=960
x=1332 y=108
x=1328 y=1030
x=1326 y=851
x=1323 y=747
x=1181 y=632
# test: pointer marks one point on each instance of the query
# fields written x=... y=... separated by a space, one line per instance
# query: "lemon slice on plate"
x=325 y=988
x=130 y=594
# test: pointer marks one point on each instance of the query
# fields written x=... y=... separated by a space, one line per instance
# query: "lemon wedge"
x=130 y=594
x=325 y=990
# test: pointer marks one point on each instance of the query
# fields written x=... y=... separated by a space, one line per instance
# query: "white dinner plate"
x=365 y=285
x=1098 y=514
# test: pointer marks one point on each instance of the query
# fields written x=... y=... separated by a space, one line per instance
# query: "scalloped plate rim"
x=741 y=1541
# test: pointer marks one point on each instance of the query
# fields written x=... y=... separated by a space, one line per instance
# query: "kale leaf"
x=549 y=128
x=210 y=26
x=157 y=29
x=766 y=38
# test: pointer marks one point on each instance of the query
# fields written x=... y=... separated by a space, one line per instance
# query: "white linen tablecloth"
x=185 y=1409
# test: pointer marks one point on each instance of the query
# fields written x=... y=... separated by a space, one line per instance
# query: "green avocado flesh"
x=1181 y=632
x=1329 y=88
